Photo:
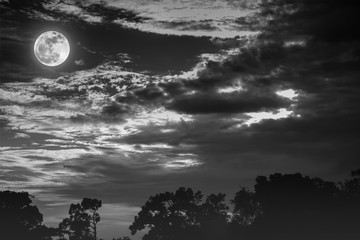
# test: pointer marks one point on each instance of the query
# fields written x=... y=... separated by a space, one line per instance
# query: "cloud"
x=111 y=115
x=80 y=62
x=220 y=29
x=325 y=21
x=226 y=103
x=56 y=10
x=196 y=18
x=211 y=19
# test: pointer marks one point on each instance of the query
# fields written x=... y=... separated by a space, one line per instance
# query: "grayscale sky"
x=156 y=95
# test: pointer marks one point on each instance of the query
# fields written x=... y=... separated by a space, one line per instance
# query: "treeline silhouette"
x=282 y=206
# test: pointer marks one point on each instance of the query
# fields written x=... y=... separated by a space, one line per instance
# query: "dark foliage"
x=292 y=206
x=20 y=220
x=182 y=215
x=283 y=206
x=82 y=222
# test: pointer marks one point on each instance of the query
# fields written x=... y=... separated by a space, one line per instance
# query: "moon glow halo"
x=51 y=48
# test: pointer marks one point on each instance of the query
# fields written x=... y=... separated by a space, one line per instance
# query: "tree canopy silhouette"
x=82 y=222
x=282 y=206
x=246 y=207
x=19 y=219
x=292 y=206
x=182 y=215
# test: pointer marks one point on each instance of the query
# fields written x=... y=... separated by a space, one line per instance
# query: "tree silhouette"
x=292 y=206
x=19 y=219
x=351 y=206
x=182 y=215
x=92 y=205
x=352 y=186
x=82 y=222
x=292 y=202
x=168 y=214
x=246 y=207
x=213 y=217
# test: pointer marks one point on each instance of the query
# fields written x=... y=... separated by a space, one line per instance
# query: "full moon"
x=51 y=48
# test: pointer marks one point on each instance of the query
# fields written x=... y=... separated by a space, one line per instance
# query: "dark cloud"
x=328 y=21
x=131 y=184
x=109 y=14
x=149 y=93
x=205 y=25
x=111 y=113
x=114 y=109
x=227 y=103
x=252 y=60
x=323 y=70
x=18 y=174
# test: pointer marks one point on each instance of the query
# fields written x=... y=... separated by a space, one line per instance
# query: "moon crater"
x=51 y=48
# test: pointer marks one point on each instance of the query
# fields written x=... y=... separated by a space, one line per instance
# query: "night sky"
x=156 y=95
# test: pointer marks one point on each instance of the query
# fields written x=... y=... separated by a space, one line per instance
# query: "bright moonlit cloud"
x=166 y=15
x=170 y=10
x=231 y=89
x=256 y=117
x=289 y=93
x=221 y=30
x=211 y=18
